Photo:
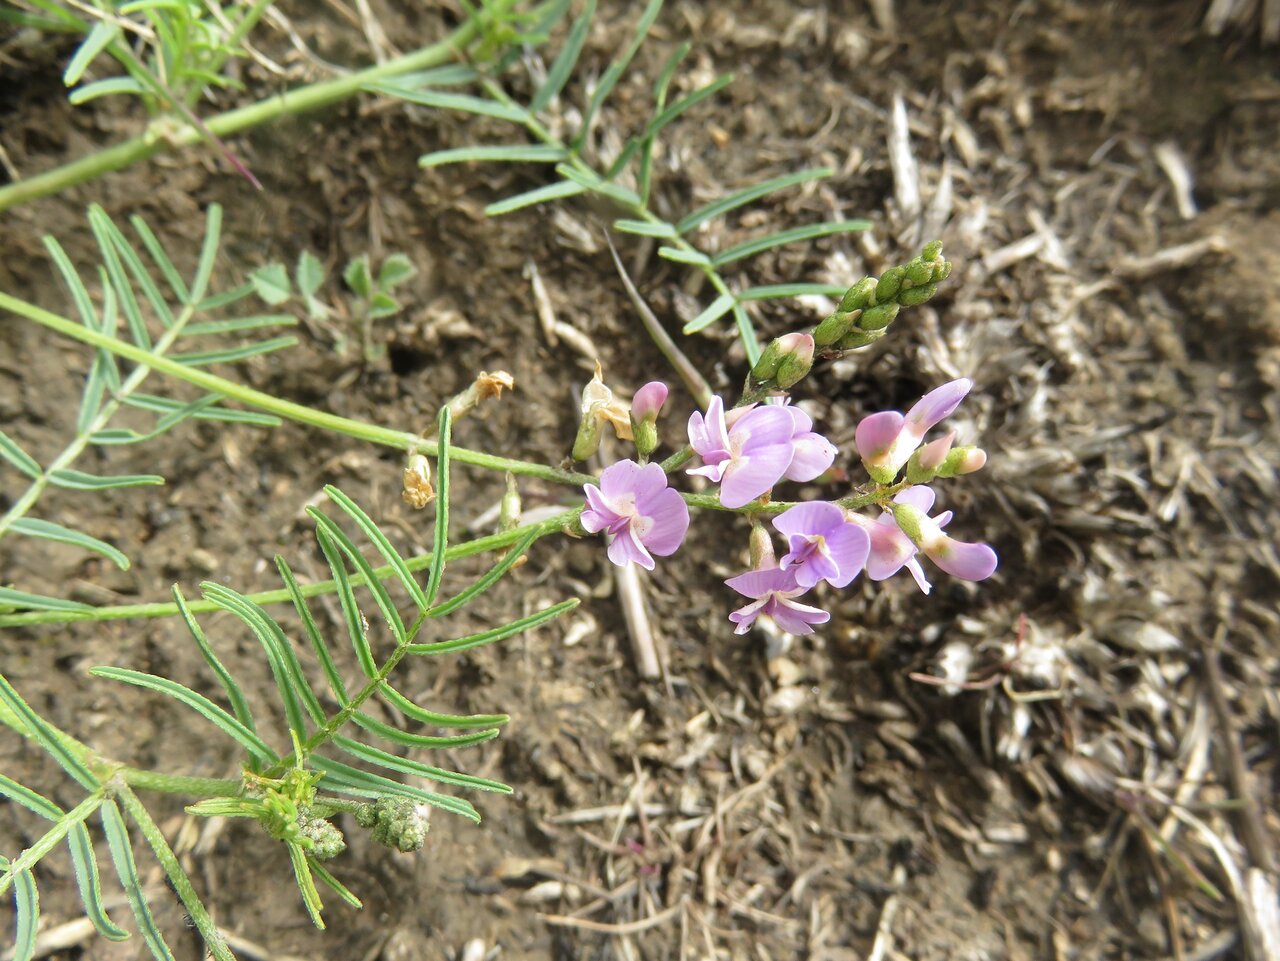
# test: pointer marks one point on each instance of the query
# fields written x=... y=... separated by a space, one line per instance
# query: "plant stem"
x=374 y=434
x=199 y=787
x=421 y=562
x=177 y=876
x=108 y=410
x=161 y=135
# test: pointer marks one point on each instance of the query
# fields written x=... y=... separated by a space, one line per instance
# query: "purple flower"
x=886 y=440
x=774 y=591
x=763 y=445
x=898 y=536
x=635 y=505
x=822 y=544
x=969 y=562
x=811 y=453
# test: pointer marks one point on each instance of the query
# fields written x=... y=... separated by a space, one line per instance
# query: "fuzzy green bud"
x=889 y=284
x=919 y=272
x=858 y=338
x=878 y=317
x=327 y=840
x=766 y=368
x=796 y=359
x=931 y=250
x=397 y=822
x=915 y=296
x=941 y=272
x=961 y=461
x=862 y=294
x=835 y=327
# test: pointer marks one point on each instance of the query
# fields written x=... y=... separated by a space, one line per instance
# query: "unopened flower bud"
x=647 y=403
x=932 y=250
x=397 y=822
x=327 y=840
x=760 y=547
x=878 y=317
x=916 y=296
x=859 y=296
x=796 y=359
x=417 y=492
x=858 y=338
x=927 y=461
x=835 y=327
x=645 y=407
x=963 y=460
x=889 y=284
x=919 y=272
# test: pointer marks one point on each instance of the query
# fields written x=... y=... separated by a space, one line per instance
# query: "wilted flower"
x=417 y=492
x=635 y=505
x=822 y=544
x=774 y=591
x=886 y=440
x=599 y=407
x=763 y=445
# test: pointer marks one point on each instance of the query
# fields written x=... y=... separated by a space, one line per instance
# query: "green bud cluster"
x=396 y=822
x=870 y=306
x=784 y=362
x=326 y=841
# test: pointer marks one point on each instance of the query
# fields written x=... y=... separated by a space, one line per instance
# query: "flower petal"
x=876 y=433
x=620 y=479
x=598 y=514
x=670 y=517
x=938 y=404
x=890 y=549
x=762 y=427
x=811 y=517
x=811 y=455
x=744 y=617
x=916 y=571
x=626 y=549
x=759 y=583
x=969 y=562
x=648 y=400
x=919 y=497
x=750 y=475
x=849 y=546
x=797 y=618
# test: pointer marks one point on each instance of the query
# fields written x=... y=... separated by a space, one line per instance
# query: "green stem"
x=335 y=723
x=200 y=787
x=177 y=876
x=161 y=135
x=108 y=410
x=421 y=562
x=374 y=434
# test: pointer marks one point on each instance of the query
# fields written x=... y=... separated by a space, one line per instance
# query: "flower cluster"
x=749 y=450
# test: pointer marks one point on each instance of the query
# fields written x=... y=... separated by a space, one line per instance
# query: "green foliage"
x=139 y=289
x=625 y=182
x=169 y=50
x=372 y=295
x=292 y=783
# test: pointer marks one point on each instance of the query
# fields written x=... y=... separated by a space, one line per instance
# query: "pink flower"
x=763 y=445
x=886 y=440
x=648 y=400
x=897 y=536
x=774 y=591
x=635 y=505
x=822 y=544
